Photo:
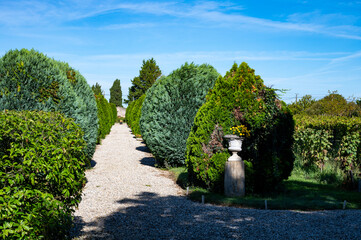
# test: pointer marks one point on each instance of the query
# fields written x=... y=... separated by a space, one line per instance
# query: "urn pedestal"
x=234 y=177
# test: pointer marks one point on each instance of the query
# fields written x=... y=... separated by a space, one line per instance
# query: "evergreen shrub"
x=29 y=80
x=135 y=114
x=107 y=115
x=128 y=110
x=42 y=166
x=169 y=109
x=241 y=98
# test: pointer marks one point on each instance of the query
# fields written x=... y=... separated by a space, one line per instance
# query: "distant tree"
x=301 y=105
x=358 y=102
x=97 y=89
x=334 y=104
x=116 y=94
x=148 y=74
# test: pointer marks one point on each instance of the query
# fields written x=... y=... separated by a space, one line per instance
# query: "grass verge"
x=296 y=193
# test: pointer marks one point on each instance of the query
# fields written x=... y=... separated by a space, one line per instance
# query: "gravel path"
x=127 y=198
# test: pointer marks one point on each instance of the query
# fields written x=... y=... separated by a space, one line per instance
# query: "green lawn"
x=294 y=193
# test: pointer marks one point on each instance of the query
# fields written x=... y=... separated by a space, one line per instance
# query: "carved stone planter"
x=234 y=177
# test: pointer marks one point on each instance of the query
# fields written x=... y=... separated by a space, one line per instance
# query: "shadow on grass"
x=150 y=216
x=292 y=194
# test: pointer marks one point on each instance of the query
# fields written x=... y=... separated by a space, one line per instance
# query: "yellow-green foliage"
x=133 y=114
x=107 y=114
x=42 y=166
x=240 y=98
x=323 y=139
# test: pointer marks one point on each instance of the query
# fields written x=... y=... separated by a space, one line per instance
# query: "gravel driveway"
x=127 y=198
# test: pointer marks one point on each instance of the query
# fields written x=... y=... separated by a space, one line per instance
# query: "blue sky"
x=306 y=47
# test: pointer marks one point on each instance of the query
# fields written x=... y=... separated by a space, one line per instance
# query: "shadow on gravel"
x=93 y=163
x=154 y=217
x=143 y=149
x=148 y=161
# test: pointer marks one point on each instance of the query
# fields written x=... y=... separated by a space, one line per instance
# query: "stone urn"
x=234 y=177
x=235 y=146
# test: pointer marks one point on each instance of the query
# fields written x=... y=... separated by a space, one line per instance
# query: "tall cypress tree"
x=116 y=94
x=148 y=74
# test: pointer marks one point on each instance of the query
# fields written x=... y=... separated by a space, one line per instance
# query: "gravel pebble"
x=127 y=198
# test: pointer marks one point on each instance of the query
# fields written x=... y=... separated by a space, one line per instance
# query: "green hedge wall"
x=107 y=114
x=133 y=114
x=169 y=109
x=29 y=80
x=321 y=140
x=42 y=166
x=240 y=98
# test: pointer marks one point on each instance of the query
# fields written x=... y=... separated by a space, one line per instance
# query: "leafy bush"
x=107 y=114
x=42 y=165
x=29 y=80
x=134 y=114
x=169 y=109
x=240 y=98
x=332 y=140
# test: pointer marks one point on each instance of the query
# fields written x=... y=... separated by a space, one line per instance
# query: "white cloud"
x=24 y=12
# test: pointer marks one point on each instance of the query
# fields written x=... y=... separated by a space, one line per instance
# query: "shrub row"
x=29 y=80
x=240 y=99
x=320 y=140
x=107 y=114
x=133 y=113
x=42 y=164
x=169 y=109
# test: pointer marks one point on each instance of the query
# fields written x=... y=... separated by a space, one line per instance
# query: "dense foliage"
x=42 y=165
x=241 y=99
x=29 y=80
x=107 y=114
x=333 y=104
x=133 y=114
x=148 y=74
x=169 y=109
x=116 y=94
x=332 y=141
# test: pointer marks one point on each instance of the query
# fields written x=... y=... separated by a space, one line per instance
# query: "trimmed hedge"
x=321 y=140
x=107 y=114
x=29 y=80
x=42 y=164
x=133 y=114
x=169 y=109
x=241 y=98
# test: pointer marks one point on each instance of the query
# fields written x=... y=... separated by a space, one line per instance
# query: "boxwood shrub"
x=42 y=166
x=29 y=80
x=241 y=98
x=169 y=109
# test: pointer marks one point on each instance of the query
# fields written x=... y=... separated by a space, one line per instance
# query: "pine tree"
x=116 y=94
x=148 y=74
